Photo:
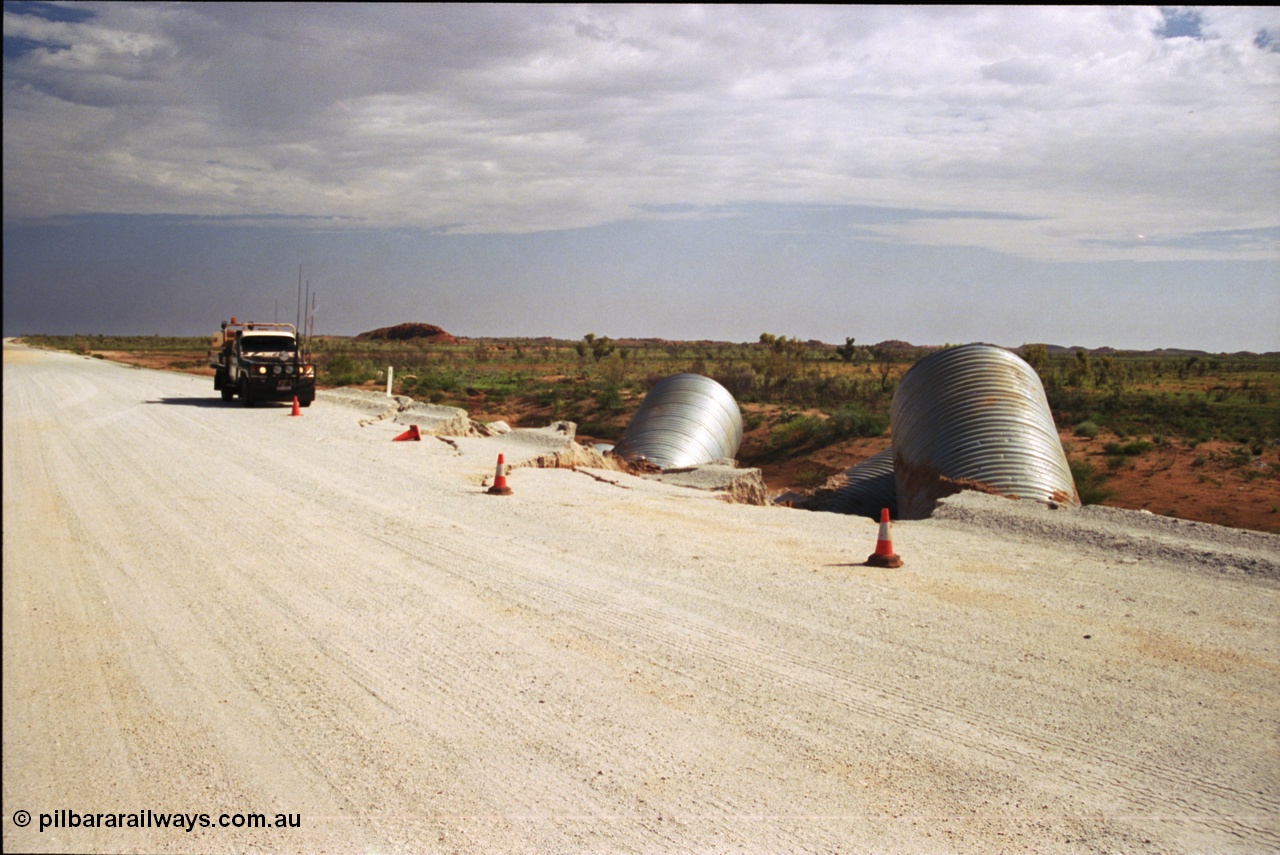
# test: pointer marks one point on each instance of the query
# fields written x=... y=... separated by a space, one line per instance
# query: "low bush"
x=1089 y=483
x=1086 y=429
x=1240 y=456
x=609 y=399
x=1128 y=449
x=854 y=420
x=808 y=477
x=342 y=370
x=795 y=433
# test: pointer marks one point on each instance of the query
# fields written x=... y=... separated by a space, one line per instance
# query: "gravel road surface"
x=209 y=609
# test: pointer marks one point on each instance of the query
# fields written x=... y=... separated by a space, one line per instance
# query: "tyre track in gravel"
x=89 y=652
x=238 y=619
x=709 y=640
x=448 y=667
x=123 y=513
x=122 y=488
x=1092 y=770
x=977 y=724
x=540 y=728
x=436 y=553
x=538 y=725
x=1102 y=771
x=45 y=720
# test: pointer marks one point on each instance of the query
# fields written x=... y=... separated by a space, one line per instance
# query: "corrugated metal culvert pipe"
x=685 y=420
x=868 y=486
x=975 y=417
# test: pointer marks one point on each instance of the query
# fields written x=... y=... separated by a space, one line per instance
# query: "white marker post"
x=389 y=372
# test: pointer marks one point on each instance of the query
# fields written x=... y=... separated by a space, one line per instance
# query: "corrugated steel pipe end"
x=684 y=420
x=975 y=417
x=868 y=487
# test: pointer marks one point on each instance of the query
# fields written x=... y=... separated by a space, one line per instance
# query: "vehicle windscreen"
x=267 y=344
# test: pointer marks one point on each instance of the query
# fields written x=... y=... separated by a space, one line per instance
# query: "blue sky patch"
x=69 y=14
x=1180 y=23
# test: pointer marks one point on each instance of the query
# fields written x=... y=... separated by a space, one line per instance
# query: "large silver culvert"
x=975 y=416
x=685 y=420
x=868 y=487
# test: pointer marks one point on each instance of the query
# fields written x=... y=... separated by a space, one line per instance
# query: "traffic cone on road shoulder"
x=296 y=411
x=412 y=434
x=500 y=487
x=884 y=555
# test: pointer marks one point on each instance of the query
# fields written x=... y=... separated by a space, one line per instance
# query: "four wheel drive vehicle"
x=261 y=362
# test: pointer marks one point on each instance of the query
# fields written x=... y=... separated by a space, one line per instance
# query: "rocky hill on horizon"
x=410 y=332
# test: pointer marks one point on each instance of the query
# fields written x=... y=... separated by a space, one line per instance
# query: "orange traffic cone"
x=411 y=434
x=296 y=411
x=500 y=487
x=884 y=556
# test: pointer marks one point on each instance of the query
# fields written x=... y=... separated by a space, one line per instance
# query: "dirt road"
x=216 y=610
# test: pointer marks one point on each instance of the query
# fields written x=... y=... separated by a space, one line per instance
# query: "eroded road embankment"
x=215 y=609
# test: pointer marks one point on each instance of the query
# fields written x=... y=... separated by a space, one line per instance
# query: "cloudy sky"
x=1078 y=176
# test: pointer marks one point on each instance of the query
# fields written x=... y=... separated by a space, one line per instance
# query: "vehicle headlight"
x=262 y=369
x=288 y=369
x=276 y=369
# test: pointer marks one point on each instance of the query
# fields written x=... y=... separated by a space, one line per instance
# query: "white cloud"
x=521 y=118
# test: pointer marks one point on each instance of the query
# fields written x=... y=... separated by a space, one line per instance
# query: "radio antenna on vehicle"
x=311 y=320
